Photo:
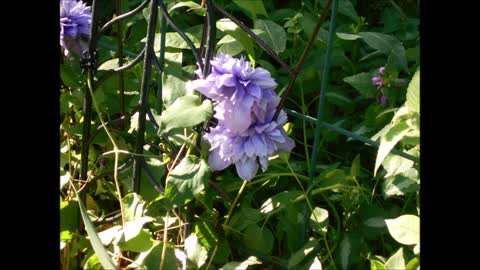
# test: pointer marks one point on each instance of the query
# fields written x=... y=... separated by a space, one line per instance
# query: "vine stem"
x=302 y=58
x=120 y=60
x=310 y=206
x=164 y=248
x=115 y=147
x=230 y=212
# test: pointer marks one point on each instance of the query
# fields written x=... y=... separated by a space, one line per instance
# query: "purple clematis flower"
x=239 y=88
x=249 y=149
x=246 y=134
x=75 y=21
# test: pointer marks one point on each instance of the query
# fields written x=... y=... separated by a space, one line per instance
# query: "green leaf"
x=378 y=41
x=66 y=236
x=339 y=99
x=134 y=206
x=258 y=239
x=206 y=234
x=254 y=7
x=300 y=255
x=362 y=82
x=71 y=75
x=395 y=164
x=279 y=200
x=319 y=220
x=135 y=238
x=69 y=219
x=292 y=223
x=97 y=245
x=416 y=249
x=196 y=253
x=387 y=44
x=274 y=35
x=405 y=229
x=186 y=111
x=371 y=55
x=345 y=7
x=388 y=141
x=375 y=222
x=186 y=180
x=401 y=184
x=229 y=45
x=316 y=264
x=376 y=265
x=141 y=242
x=151 y=259
x=245 y=217
x=192 y=5
x=132 y=229
x=232 y=29
x=64 y=178
x=402 y=114
x=396 y=261
x=252 y=260
x=173 y=83
x=109 y=64
x=224 y=252
x=413 y=93
x=333 y=177
x=174 y=40
x=355 y=167
x=348 y=253
x=413 y=264
x=158 y=170
x=345 y=251
x=109 y=234
x=414 y=123
x=347 y=36
x=93 y=263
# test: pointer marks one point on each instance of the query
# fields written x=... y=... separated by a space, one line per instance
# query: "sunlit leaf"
x=405 y=229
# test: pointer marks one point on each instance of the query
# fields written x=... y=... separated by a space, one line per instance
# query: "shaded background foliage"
x=359 y=212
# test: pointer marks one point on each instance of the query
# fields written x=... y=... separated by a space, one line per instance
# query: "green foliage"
x=150 y=259
x=186 y=111
x=362 y=82
x=405 y=229
x=274 y=35
x=186 y=181
x=230 y=28
x=196 y=253
x=300 y=255
x=388 y=45
x=258 y=239
x=97 y=245
x=253 y=7
x=360 y=210
x=252 y=260
x=192 y=5
x=396 y=261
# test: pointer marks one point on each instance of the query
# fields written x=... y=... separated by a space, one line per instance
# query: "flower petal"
x=249 y=148
x=216 y=162
x=247 y=169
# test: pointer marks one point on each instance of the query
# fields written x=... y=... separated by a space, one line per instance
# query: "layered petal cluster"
x=75 y=21
x=243 y=91
x=246 y=134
